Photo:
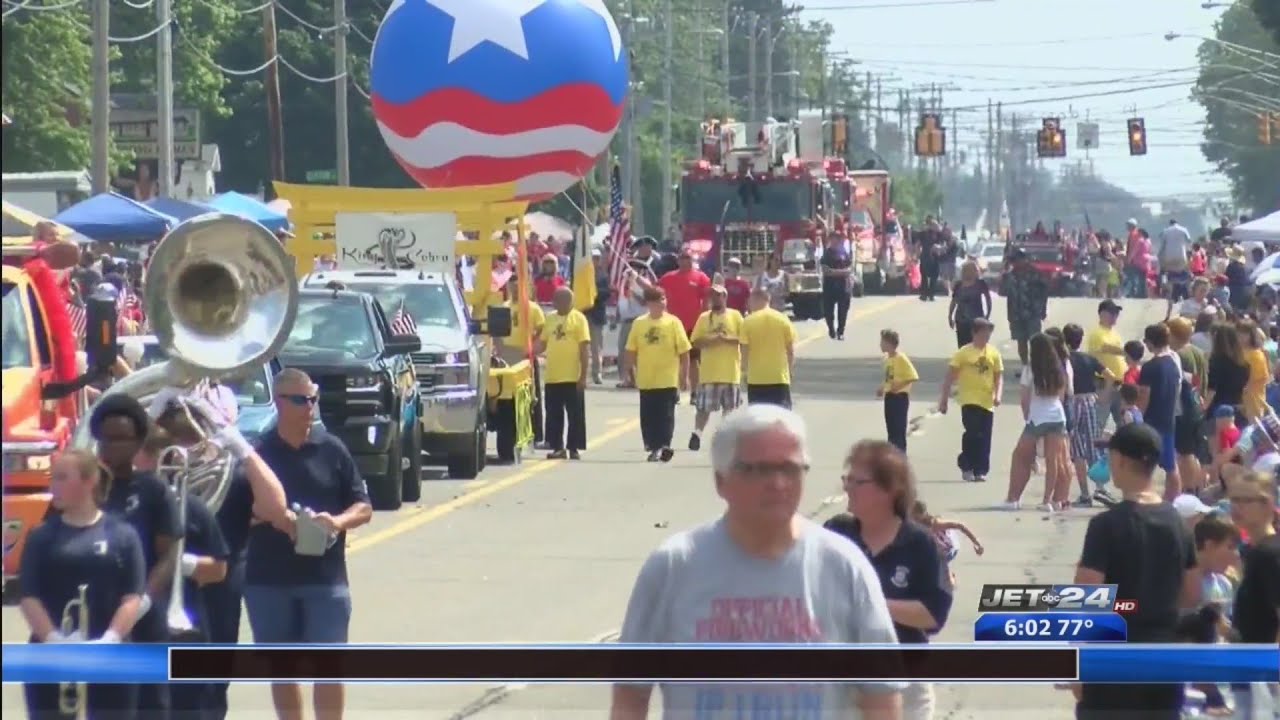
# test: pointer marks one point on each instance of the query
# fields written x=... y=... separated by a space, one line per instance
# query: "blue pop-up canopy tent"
x=110 y=217
x=250 y=209
x=183 y=210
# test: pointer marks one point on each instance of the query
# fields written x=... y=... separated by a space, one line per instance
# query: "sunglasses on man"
x=300 y=400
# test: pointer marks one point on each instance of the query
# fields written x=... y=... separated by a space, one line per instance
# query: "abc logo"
x=1050 y=600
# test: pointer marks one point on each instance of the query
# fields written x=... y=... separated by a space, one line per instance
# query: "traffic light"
x=1051 y=141
x=1137 y=136
x=1264 y=128
x=839 y=134
x=931 y=137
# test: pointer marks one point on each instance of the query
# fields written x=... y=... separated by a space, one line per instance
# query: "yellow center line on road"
x=479 y=490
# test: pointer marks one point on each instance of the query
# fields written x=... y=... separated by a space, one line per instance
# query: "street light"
x=1241 y=49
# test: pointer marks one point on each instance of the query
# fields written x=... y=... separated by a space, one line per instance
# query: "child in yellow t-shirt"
x=977 y=371
x=899 y=376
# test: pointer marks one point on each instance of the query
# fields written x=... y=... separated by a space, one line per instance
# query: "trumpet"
x=73 y=698
x=175 y=463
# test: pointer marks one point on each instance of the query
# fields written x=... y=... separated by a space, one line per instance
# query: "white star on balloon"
x=500 y=22
x=597 y=6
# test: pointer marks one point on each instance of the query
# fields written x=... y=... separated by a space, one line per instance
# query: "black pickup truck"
x=368 y=390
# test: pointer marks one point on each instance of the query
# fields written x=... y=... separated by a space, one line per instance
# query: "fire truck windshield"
x=703 y=201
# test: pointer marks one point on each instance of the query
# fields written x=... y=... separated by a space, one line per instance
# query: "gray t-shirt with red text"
x=700 y=587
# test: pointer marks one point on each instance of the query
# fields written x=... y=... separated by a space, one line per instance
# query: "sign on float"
x=417 y=241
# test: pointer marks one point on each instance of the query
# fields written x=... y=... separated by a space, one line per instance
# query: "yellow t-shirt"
x=898 y=370
x=519 y=334
x=1099 y=337
x=720 y=363
x=767 y=334
x=564 y=336
x=1255 y=391
x=658 y=345
x=976 y=379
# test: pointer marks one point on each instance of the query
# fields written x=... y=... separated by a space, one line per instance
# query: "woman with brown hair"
x=1046 y=382
x=81 y=554
x=882 y=493
x=1228 y=373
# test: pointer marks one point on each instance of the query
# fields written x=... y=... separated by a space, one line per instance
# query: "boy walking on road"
x=976 y=371
x=899 y=375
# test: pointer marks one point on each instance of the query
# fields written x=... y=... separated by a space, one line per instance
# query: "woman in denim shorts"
x=1046 y=382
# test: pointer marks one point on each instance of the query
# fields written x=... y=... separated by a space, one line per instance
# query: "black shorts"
x=769 y=395
x=1179 y=284
x=1187 y=438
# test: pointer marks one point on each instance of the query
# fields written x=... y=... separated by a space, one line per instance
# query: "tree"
x=1235 y=98
x=1268 y=12
x=46 y=87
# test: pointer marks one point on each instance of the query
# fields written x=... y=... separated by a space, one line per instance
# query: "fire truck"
x=43 y=386
x=868 y=219
x=752 y=196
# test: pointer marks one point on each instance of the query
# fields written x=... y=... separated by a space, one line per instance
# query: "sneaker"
x=666 y=454
x=979 y=478
x=557 y=455
x=574 y=455
x=967 y=476
x=840 y=336
x=1083 y=501
x=1104 y=497
x=1046 y=507
x=831 y=334
x=653 y=456
x=1011 y=505
x=695 y=442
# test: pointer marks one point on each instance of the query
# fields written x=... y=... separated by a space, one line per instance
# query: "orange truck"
x=43 y=389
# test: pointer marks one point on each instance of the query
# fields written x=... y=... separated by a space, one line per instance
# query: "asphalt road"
x=548 y=551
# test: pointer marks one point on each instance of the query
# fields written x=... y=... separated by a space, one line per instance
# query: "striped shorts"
x=1083 y=428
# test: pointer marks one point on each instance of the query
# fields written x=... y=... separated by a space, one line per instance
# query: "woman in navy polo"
x=81 y=545
x=913 y=574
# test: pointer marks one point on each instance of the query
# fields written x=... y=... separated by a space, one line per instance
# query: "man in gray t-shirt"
x=734 y=581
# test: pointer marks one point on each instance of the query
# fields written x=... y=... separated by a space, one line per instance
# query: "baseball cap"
x=1224 y=411
x=1131 y=221
x=1189 y=506
x=719 y=290
x=733 y=261
x=1137 y=442
x=1110 y=306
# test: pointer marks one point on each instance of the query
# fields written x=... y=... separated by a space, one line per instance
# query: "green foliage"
x=915 y=196
x=1233 y=100
x=46 y=83
x=1268 y=12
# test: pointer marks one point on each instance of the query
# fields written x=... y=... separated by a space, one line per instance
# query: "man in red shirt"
x=739 y=289
x=687 y=289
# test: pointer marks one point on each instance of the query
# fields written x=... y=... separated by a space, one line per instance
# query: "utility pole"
x=725 y=65
x=768 y=68
x=992 y=210
x=340 y=91
x=701 y=81
x=751 y=67
x=1001 y=187
x=628 y=110
x=275 y=123
x=164 y=96
x=797 y=72
x=101 y=97
x=668 y=21
x=904 y=131
x=953 y=152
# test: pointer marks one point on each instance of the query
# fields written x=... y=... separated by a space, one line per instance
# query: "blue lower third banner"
x=1107 y=663
x=1050 y=627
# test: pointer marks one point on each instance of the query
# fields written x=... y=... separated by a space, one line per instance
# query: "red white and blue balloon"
x=487 y=92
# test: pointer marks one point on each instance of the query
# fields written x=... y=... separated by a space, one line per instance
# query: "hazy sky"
x=1028 y=53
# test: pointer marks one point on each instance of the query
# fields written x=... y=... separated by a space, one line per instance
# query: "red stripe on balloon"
x=577 y=104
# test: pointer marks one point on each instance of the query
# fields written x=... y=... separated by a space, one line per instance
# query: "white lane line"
x=499 y=693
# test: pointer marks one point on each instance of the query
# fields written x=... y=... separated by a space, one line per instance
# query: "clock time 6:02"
x=1066 y=628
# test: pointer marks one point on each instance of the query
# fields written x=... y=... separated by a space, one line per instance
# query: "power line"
x=32 y=6
x=1030 y=43
x=891 y=6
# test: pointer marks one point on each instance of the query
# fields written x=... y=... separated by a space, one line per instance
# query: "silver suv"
x=452 y=366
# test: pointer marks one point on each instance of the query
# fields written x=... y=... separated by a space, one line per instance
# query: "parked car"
x=253 y=390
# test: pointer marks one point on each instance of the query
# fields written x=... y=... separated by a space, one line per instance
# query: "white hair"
x=752 y=420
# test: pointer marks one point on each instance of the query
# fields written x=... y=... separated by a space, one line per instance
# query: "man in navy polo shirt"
x=302 y=598
x=1159 y=392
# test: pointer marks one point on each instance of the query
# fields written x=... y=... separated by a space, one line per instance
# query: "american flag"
x=79 y=319
x=402 y=323
x=619 y=233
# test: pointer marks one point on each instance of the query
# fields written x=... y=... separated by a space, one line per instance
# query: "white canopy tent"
x=1264 y=229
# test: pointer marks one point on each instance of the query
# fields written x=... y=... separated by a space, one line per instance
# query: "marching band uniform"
x=203 y=540
x=119 y=424
x=60 y=556
x=223 y=601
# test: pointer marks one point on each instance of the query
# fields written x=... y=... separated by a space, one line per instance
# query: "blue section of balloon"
x=567 y=42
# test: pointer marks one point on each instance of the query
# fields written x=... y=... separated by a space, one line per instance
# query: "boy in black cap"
x=1142 y=546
